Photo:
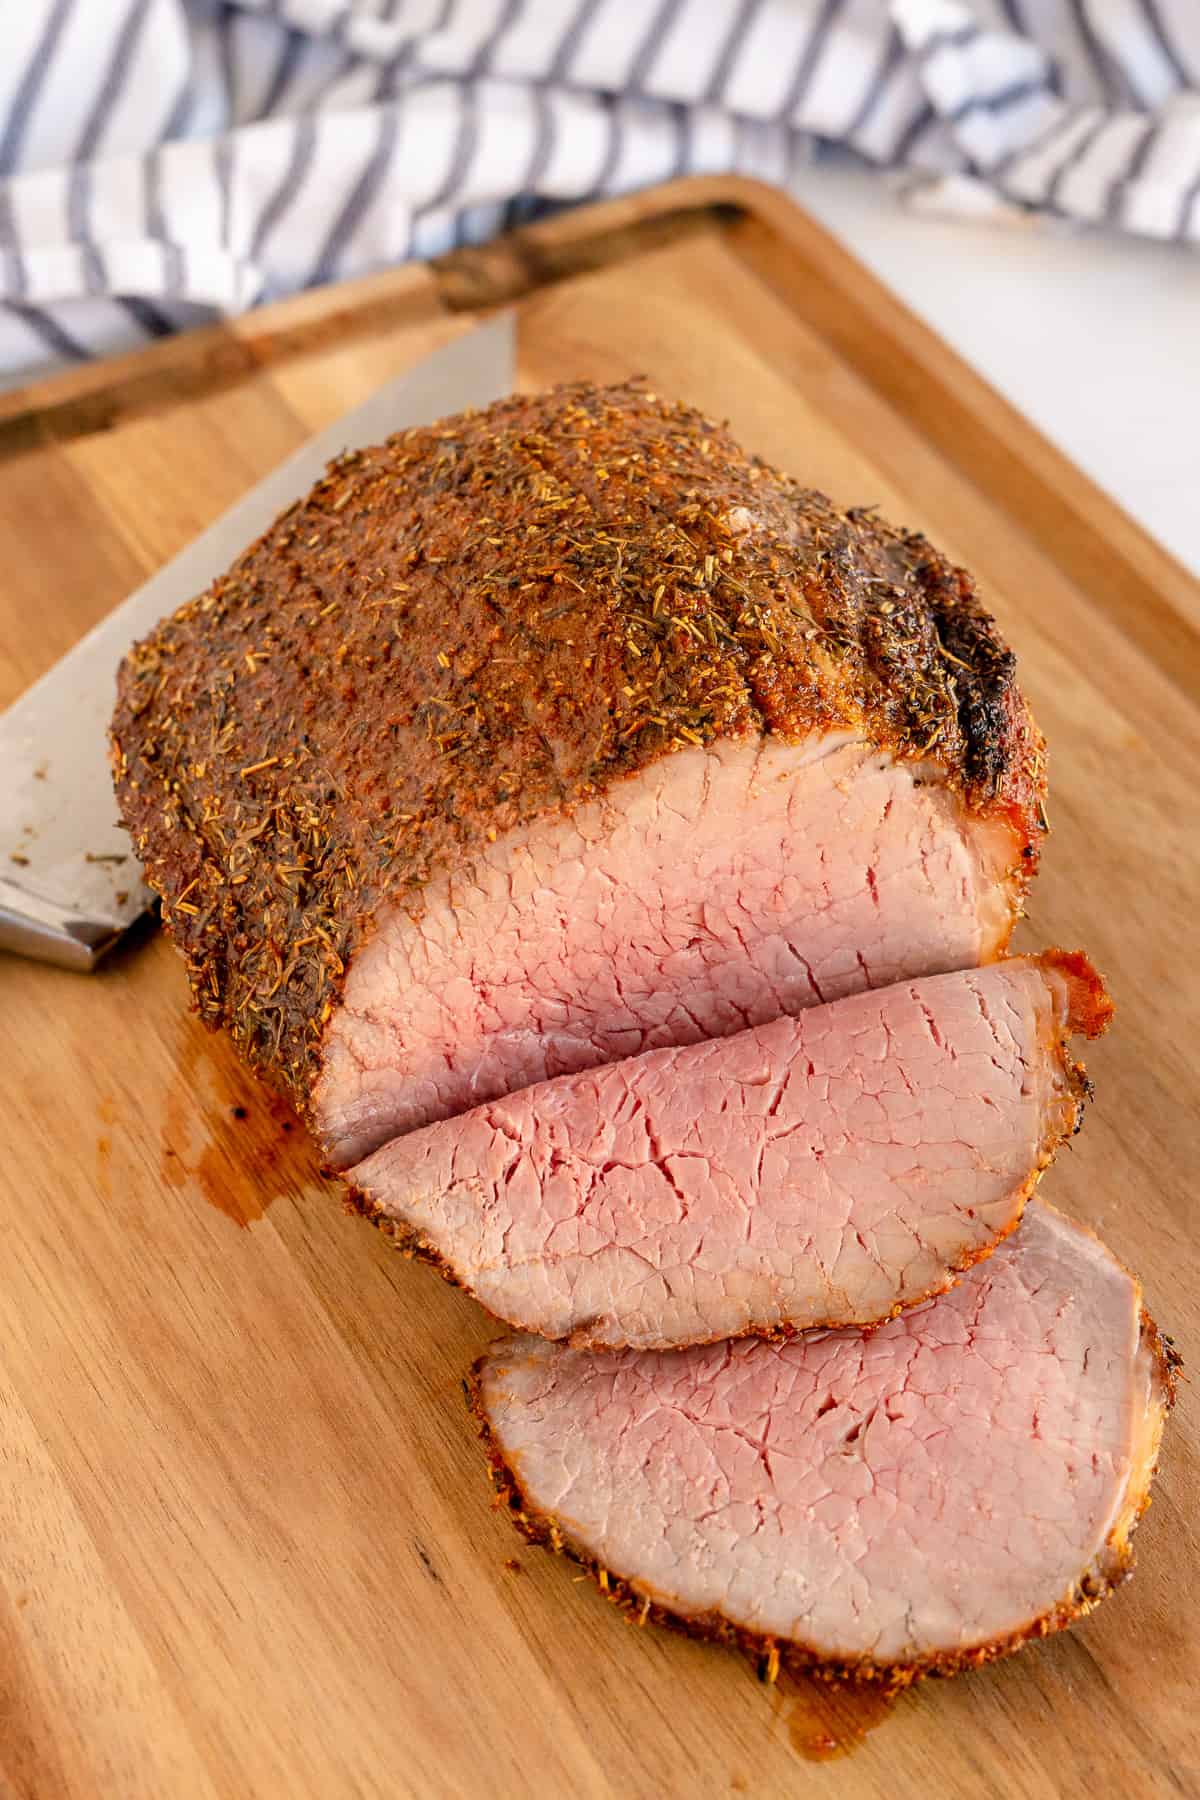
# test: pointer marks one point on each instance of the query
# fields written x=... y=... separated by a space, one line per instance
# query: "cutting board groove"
x=247 y=1548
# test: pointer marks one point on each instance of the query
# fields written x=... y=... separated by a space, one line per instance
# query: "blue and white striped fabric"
x=165 y=160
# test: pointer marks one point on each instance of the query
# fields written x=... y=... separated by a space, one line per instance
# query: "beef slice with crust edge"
x=826 y=1169
x=912 y=1499
x=555 y=733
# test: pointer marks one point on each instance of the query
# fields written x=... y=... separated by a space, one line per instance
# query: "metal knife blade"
x=69 y=882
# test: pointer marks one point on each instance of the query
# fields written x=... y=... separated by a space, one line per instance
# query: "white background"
x=1095 y=337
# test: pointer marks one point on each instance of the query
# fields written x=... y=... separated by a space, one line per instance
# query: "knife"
x=69 y=881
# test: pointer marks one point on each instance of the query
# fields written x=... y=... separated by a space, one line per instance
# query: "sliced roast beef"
x=824 y=1169
x=918 y=1497
x=560 y=732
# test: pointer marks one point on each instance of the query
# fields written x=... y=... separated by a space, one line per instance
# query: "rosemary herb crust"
x=496 y=618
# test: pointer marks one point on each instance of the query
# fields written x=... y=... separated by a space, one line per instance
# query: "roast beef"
x=821 y=1170
x=556 y=733
x=919 y=1497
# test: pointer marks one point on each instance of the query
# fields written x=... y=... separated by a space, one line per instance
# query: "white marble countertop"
x=1095 y=338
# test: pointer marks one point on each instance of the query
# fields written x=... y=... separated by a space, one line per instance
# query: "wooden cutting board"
x=246 y=1546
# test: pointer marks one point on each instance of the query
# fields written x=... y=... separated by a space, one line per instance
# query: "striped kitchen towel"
x=165 y=160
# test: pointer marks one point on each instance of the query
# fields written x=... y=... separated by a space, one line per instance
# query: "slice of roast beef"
x=559 y=732
x=820 y=1170
x=916 y=1498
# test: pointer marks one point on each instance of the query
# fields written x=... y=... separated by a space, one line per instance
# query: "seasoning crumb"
x=239 y=1112
x=513 y=1565
x=16 y=857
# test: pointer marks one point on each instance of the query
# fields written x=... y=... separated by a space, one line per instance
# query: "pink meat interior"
x=817 y=1170
x=926 y=1487
x=719 y=889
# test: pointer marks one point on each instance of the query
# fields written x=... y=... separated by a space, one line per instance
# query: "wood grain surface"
x=246 y=1547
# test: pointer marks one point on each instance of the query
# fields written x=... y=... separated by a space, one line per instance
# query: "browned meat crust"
x=1091 y=1006
x=495 y=618
x=1111 y=1568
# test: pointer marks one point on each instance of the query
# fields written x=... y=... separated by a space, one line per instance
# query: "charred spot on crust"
x=983 y=674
